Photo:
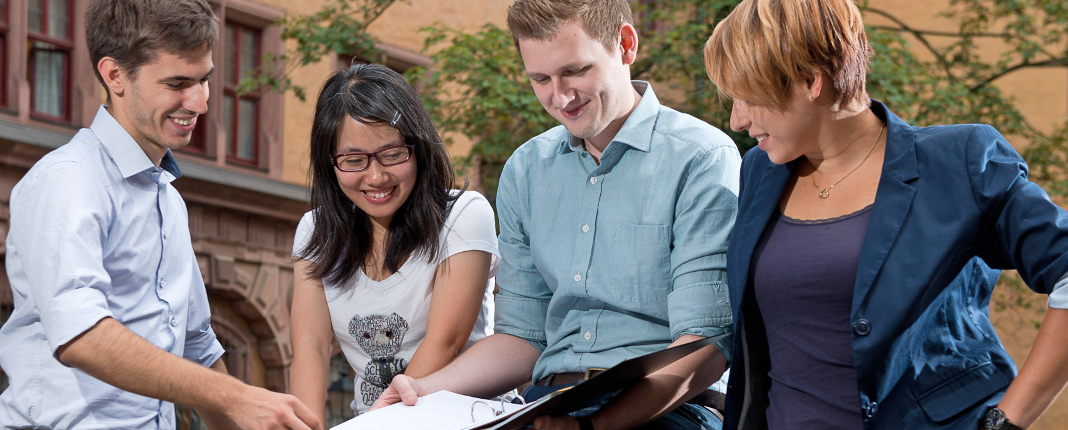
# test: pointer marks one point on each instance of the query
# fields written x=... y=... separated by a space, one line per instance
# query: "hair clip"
x=396 y=117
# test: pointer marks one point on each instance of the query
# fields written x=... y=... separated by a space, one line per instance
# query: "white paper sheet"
x=438 y=411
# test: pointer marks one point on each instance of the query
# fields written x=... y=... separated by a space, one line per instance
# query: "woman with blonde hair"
x=866 y=249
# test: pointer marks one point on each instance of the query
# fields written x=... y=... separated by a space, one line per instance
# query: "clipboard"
x=598 y=388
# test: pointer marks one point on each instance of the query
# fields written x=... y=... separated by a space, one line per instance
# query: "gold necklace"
x=825 y=192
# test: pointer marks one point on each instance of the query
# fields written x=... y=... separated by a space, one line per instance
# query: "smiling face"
x=579 y=83
x=159 y=106
x=784 y=134
x=377 y=191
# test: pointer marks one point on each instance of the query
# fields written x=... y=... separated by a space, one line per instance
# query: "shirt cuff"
x=523 y=318
x=72 y=313
x=204 y=348
x=1058 y=299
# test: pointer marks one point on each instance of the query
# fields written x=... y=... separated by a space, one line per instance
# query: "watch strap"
x=584 y=423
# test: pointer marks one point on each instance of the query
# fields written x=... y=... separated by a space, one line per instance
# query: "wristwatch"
x=996 y=420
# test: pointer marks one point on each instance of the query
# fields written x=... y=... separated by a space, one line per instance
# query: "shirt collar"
x=124 y=150
x=637 y=130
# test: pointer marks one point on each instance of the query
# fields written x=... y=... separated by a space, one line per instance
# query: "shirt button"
x=593 y=180
x=174 y=322
x=578 y=277
x=587 y=335
x=585 y=228
x=862 y=327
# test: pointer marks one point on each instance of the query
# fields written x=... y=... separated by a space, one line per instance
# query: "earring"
x=810 y=96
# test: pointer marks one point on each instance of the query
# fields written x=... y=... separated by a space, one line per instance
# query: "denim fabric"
x=601 y=263
x=97 y=231
x=685 y=417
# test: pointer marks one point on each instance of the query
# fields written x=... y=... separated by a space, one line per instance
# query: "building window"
x=240 y=114
x=50 y=44
x=3 y=52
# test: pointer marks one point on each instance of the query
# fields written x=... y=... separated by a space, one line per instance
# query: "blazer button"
x=862 y=327
x=870 y=410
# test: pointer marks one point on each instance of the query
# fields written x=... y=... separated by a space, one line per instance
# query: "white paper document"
x=442 y=410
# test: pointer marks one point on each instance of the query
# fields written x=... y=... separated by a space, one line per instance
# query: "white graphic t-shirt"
x=380 y=324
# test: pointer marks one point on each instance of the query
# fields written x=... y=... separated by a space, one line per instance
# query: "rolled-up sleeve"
x=523 y=300
x=1027 y=231
x=201 y=345
x=59 y=227
x=699 y=303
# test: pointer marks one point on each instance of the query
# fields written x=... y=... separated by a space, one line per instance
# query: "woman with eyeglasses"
x=391 y=261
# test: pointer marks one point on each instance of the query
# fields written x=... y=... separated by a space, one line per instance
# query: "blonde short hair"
x=763 y=46
x=541 y=19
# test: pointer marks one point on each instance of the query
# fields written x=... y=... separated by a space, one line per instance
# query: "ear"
x=628 y=43
x=114 y=77
x=814 y=83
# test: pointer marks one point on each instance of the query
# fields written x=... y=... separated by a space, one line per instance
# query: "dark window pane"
x=229 y=73
x=228 y=122
x=49 y=66
x=58 y=18
x=35 y=18
x=246 y=136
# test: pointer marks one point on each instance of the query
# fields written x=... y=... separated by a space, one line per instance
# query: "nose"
x=561 y=94
x=375 y=173
x=196 y=98
x=739 y=116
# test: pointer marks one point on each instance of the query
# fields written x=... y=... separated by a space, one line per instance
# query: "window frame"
x=230 y=90
x=64 y=45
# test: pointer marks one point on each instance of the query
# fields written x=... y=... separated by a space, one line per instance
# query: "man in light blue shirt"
x=111 y=321
x=614 y=228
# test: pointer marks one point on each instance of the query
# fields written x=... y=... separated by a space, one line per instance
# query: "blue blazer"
x=953 y=206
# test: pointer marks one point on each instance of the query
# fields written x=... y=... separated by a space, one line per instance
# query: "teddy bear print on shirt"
x=380 y=337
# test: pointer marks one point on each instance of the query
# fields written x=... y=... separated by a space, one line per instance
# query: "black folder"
x=598 y=388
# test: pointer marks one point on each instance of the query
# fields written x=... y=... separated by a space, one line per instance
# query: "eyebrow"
x=352 y=149
x=187 y=78
x=569 y=66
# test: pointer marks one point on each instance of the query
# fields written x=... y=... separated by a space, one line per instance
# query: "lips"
x=379 y=196
x=574 y=112
x=184 y=125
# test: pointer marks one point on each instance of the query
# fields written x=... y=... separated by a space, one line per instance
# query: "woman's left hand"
x=565 y=422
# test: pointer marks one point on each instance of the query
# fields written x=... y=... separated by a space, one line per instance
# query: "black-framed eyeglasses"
x=359 y=161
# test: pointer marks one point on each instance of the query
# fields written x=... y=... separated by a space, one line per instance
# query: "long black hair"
x=341 y=240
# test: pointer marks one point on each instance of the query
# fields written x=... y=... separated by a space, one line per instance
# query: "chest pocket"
x=643 y=253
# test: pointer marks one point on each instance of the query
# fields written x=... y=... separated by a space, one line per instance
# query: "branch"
x=919 y=35
x=1047 y=63
x=939 y=33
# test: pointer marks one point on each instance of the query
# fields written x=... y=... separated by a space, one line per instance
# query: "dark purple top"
x=802 y=282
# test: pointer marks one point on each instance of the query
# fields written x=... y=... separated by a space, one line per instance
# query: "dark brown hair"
x=341 y=240
x=133 y=32
x=541 y=19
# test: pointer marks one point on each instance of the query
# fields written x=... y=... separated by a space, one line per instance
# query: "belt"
x=570 y=378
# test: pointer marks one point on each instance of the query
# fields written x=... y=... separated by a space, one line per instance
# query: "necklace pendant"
x=825 y=192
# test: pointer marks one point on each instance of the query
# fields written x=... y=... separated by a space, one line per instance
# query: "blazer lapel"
x=893 y=201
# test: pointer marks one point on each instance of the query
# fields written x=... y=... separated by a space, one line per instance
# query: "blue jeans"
x=685 y=417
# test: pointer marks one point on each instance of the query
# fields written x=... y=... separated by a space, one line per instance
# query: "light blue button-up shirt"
x=97 y=231
x=601 y=263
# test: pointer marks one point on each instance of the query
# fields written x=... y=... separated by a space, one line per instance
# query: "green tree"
x=339 y=27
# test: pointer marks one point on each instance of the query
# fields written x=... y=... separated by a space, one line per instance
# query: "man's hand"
x=402 y=389
x=258 y=408
x=565 y=422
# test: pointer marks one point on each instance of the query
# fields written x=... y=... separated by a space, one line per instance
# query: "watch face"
x=994 y=419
